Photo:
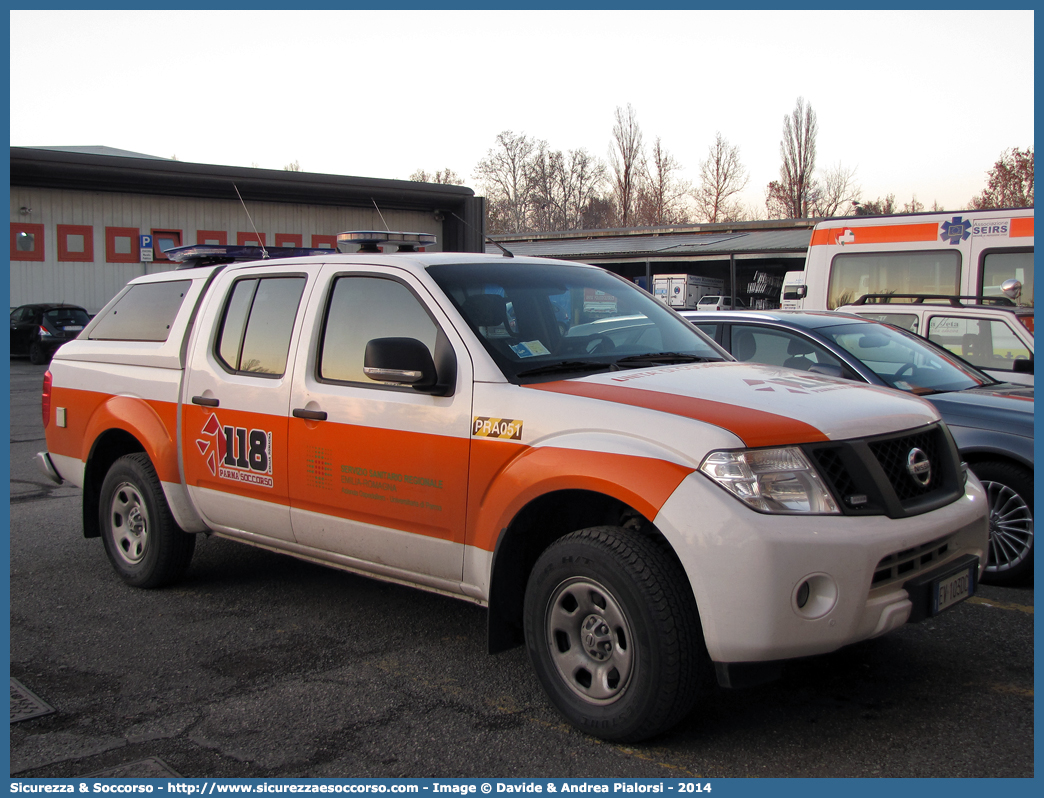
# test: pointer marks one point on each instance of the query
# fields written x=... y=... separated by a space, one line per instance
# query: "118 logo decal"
x=237 y=453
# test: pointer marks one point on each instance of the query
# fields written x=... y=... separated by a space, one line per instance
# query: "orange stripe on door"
x=753 y=427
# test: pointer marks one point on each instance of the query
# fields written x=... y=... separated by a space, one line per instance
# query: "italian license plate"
x=73 y=327
x=952 y=589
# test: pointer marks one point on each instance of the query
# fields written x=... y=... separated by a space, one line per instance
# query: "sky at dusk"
x=916 y=102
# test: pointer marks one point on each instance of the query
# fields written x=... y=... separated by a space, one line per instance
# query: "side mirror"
x=1012 y=289
x=826 y=369
x=1022 y=366
x=404 y=361
x=796 y=292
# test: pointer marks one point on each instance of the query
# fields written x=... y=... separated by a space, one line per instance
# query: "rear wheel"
x=142 y=540
x=1009 y=496
x=613 y=633
x=37 y=355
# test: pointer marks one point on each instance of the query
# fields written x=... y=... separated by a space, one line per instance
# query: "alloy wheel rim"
x=1011 y=527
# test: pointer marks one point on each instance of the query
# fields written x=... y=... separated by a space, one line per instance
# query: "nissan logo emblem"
x=919 y=467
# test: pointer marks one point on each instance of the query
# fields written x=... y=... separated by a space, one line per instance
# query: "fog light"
x=814 y=596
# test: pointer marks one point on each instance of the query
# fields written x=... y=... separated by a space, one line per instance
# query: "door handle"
x=202 y=400
x=311 y=415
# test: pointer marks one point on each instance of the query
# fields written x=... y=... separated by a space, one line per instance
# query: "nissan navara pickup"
x=539 y=437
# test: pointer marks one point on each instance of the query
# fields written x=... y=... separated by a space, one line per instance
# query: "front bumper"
x=747 y=570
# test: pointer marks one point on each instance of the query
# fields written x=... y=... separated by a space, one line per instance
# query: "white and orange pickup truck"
x=538 y=437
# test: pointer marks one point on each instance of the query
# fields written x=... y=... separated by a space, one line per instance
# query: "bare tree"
x=795 y=194
x=662 y=191
x=599 y=213
x=776 y=205
x=444 y=176
x=838 y=193
x=878 y=207
x=563 y=185
x=1009 y=184
x=506 y=177
x=548 y=176
x=587 y=177
x=722 y=176
x=292 y=167
x=913 y=206
x=626 y=159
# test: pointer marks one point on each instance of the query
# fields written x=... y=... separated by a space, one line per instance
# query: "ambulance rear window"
x=145 y=313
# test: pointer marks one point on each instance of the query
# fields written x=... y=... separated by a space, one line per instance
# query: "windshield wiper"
x=566 y=365
x=666 y=357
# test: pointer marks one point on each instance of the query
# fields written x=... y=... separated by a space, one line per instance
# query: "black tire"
x=142 y=541
x=37 y=355
x=1009 y=494
x=613 y=633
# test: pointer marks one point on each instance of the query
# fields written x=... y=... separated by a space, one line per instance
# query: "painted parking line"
x=1001 y=605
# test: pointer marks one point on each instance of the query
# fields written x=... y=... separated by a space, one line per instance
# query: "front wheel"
x=613 y=633
x=1009 y=495
x=142 y=541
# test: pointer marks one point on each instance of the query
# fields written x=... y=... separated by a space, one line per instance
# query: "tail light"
x=44 y=332
x=45 y=404
x=1027 y=321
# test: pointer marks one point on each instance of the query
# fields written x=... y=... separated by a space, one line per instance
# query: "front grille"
x=893 y=454
x=833 y=470
x=901 y=565
x=873 y=476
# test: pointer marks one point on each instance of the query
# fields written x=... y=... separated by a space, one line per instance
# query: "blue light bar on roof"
x=195 y=252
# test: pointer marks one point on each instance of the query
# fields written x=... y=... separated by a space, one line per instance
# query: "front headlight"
x=771 y=480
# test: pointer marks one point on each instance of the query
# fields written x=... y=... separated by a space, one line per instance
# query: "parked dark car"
x=991 y=422
x=38 y=330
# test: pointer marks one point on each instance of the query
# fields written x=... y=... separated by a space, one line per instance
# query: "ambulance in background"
x=957 y=253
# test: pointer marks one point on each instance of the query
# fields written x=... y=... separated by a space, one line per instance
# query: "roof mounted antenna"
x=386 y=228
x=507 y=253
x=260 y=240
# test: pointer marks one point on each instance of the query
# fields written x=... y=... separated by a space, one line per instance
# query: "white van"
x=792 y=295
x=969 y=253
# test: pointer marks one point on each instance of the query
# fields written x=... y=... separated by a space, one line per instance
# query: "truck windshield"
x=541 y=320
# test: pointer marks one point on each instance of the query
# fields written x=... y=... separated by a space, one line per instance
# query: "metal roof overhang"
x=92 y=172
x=745 y=245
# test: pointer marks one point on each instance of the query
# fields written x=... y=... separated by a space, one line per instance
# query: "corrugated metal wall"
x=92 y=284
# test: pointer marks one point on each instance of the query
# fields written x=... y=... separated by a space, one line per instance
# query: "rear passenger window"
x=258 y=323
x=779 y=348
x=144 y=313
x=364 y=308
